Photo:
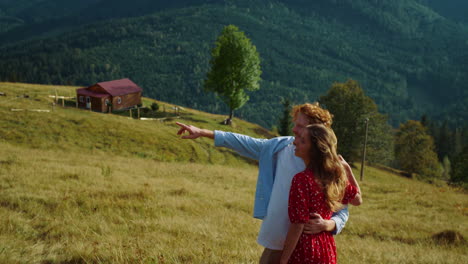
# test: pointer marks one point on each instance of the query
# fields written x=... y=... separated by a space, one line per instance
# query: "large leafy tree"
x=235 y=69
x=350 y=108
x=415 y=150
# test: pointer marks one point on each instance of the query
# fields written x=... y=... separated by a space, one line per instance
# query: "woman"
x=321 y=188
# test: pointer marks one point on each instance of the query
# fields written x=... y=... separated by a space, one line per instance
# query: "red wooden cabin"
x=120 y=94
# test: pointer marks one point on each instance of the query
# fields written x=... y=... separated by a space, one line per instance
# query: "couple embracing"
x=302 y=189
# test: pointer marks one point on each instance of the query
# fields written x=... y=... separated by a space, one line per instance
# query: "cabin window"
x=107 y=102
x=81 y=99
x=88 y=100
x=119 y=100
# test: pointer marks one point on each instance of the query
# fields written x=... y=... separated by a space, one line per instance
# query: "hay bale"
x=449 y=237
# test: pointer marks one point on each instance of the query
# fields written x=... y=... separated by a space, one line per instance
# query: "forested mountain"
x=455 y=10
x=408 y=55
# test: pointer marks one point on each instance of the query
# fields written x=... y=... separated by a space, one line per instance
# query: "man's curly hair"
x=314 y=112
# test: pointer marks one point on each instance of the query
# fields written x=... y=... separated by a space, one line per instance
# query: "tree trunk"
x=231 y=115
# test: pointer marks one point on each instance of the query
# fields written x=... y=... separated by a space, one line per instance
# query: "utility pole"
x=364 y=149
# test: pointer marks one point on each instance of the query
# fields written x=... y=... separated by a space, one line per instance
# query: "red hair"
x=314 y=113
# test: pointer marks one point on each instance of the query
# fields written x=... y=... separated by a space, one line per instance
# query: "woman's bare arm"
x=294 y=233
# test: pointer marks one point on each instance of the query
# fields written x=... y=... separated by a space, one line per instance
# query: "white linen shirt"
x=276 y=223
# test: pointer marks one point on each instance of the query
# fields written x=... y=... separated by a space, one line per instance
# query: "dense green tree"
x=235 y=68
x=460 y=167
x=449 y=141
x=459 y=143
x=415 y=151
x=380 y=140
x=444 y=145
x=350 y=108
x=285 y=122
x=447 y=167
x=425 y=121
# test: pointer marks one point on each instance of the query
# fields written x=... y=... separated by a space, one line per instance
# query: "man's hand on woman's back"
x=317 y=224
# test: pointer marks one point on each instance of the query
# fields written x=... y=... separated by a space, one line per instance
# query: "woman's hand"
x=344 y=163
x=352 y=180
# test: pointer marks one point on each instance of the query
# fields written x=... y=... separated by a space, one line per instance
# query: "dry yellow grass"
x=60 y=207
x=140 y=195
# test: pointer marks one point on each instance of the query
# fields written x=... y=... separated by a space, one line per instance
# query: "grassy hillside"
x=407 y=57
x=137 y=194
x=73 y=130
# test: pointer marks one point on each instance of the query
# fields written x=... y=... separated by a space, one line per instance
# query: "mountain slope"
x=408 y=58
x=454 y=9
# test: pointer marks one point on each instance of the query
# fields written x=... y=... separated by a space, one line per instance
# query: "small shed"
x=120 y=94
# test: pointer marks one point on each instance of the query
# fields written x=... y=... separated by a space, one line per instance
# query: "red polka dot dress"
x=306 y=197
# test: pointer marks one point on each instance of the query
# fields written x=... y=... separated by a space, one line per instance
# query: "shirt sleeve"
x=298 y=207
x=340 y=218
x=244 y=145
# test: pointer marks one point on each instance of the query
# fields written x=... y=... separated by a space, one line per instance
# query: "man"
x=277 y=167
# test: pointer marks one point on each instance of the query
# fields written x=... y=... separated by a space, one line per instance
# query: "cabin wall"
x=126 y=101
x=98 y=104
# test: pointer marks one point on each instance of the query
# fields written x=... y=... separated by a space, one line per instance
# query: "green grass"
x=83 y=187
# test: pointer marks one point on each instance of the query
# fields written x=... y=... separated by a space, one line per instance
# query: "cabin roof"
x=86 y=92
x=120 y=87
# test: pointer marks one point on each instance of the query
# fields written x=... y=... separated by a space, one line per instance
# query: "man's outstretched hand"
x=193 y=132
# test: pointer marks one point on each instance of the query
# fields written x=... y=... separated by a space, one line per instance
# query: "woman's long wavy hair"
x=326 y=165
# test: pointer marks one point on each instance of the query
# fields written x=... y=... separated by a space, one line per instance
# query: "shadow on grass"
x=449 y=237
x=74 y=260
x=445 y=238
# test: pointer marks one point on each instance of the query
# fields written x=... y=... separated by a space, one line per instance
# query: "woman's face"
x=303 y=145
